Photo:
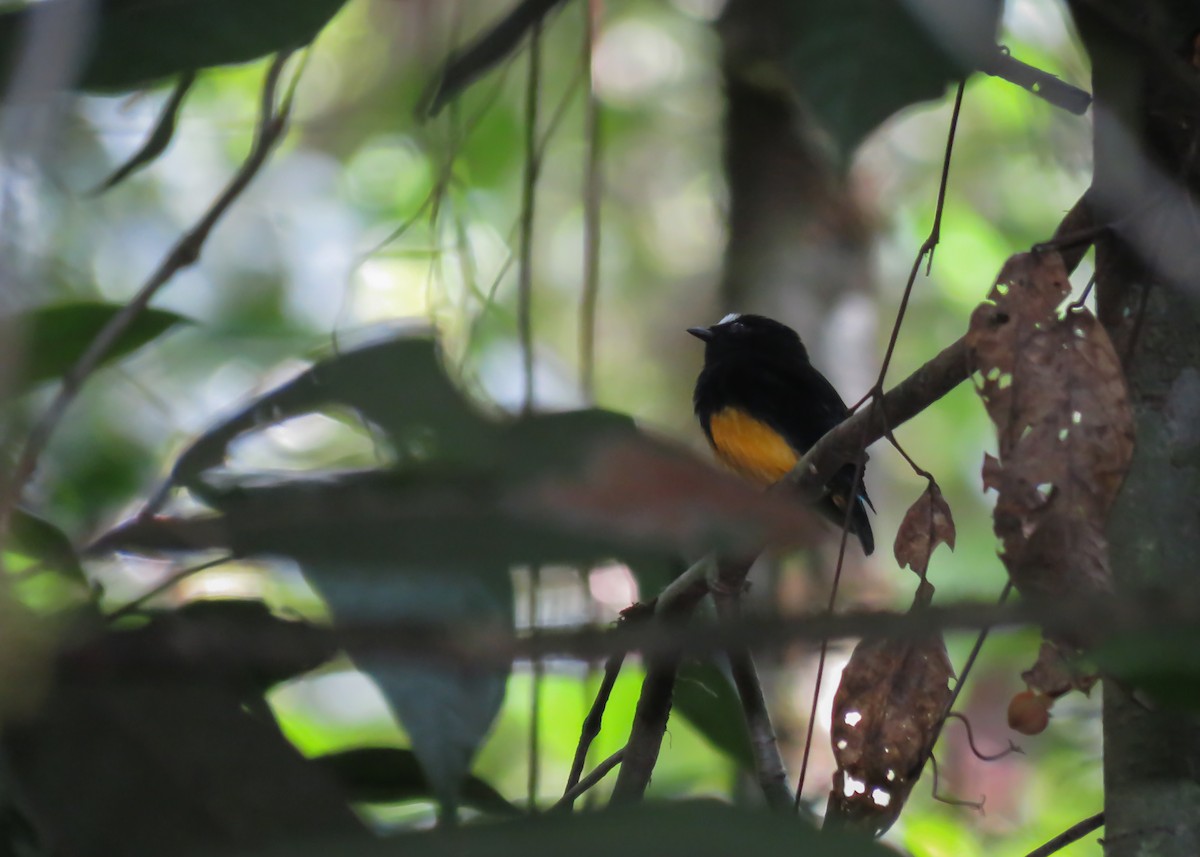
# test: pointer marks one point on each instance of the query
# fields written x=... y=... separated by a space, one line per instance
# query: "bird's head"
x=756 y=335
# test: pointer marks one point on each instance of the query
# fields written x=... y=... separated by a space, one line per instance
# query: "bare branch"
x=528 y=198
x=598 y=773
x=1072 y=834
x=592 y=724
x=900 y=404
x=768 y=764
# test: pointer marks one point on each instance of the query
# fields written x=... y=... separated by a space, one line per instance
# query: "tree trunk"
x=1147 y=134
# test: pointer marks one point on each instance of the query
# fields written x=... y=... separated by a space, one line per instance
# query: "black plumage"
x=762 y=405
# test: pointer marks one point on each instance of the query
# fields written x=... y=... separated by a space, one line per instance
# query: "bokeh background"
x=371 y=215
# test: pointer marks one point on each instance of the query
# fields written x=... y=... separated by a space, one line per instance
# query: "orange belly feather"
x=750 y=447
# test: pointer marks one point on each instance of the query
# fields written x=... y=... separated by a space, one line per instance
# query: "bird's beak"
x=700 y=333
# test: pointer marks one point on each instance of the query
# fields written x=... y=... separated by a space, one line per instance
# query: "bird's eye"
x=737 y=327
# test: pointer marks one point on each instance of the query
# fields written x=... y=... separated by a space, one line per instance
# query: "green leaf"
x=53 y=338
x=160 y=137
x=856 y=62
x=447 y=710
x=46 y=574
x=706 y=696
x=136 y=42
x=391 y=775
x=38 y=539
x=687 y=829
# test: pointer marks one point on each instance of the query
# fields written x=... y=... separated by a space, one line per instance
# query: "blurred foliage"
x=369 y=215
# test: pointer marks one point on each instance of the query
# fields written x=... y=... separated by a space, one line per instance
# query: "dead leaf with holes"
x=927 y=524
x=1056 y=393
x=889 y=704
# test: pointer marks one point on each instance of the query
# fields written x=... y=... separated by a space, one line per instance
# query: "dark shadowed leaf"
x=392 y=775
x=856 y=62
x=892 y=697
x=706 y=696
x=45 y=572
x=53 y=338
x=446 y=709
x=496 y=44
x=927 y=524
x=160 y=136
x=135 y=42
x=115 y=763
x=689 y=829
x=38 y=539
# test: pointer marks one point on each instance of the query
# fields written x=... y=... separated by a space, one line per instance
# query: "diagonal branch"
x=914 y=394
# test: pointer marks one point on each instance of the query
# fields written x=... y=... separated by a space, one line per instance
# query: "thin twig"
x=528 y=197
x=976 y=805
x=592 y=194
x=137 y=603
x=594 y=721
x=877 y=404
x=931 y=242
x=937 y=377
x=980 y=755
x=598 y=773
x=1072 y=834
x=272 y=123
x=961 y=682
x=855 y=485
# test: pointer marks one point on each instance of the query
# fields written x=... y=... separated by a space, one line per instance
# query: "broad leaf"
x=53 y=338
x=856 y=62
x=446 y=708
x=37 y=539
x=136 y=42
x=45 y=573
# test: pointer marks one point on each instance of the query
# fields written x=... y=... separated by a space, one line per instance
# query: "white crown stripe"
x=733 y=316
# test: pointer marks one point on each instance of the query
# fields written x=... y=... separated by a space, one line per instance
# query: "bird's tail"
x=834 y=507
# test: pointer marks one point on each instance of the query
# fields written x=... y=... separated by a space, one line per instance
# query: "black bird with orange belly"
x=763 y=405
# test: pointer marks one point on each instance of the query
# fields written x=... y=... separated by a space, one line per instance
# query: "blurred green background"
x=369 y=215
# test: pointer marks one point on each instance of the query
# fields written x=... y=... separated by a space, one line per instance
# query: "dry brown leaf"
x=892 y=696
x=1056 y=393
x=1053 y=674
x=927 y=524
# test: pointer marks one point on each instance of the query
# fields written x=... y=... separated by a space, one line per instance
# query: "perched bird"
x=763 y=405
